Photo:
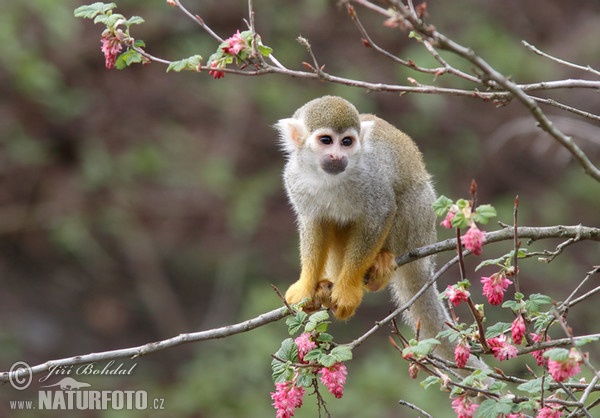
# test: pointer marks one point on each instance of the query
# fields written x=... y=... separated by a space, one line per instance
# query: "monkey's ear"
x=292 y=133
x=366 y=126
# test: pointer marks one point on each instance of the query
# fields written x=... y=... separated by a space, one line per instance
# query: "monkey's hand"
x=319 y=296
x=380 y=273
x=345 y=299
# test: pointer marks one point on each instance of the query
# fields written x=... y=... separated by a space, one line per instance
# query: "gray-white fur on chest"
x=322 y=196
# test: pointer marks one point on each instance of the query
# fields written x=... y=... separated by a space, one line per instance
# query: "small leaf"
x=497 y=329
x=304 y=380
x=422 y=348
x=580 y=341
x=134 y=20
x=288 y=351
x=264 y=50
x=459 y=221
x=557 y=354
x=483 y=213
x=139 y=43
x=534 y=386
x=536 y=301
x=127 y=58
x=325 y=338
x=295 y=323
x=186 y=64
x=442 y=205
x=314 y=355
x=342 y=353
x=89 y=11
x=430 y=381
x=327 y=360
x=490 y=408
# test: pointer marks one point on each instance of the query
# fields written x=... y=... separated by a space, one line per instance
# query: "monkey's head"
x=325 y=134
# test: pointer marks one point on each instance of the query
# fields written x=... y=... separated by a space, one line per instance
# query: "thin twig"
x=558 y=60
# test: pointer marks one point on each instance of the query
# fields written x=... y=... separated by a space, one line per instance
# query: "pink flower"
x=235 y=44
x=334 y=378
x=413 y=370
x=550 y=412
x=111 y=47
x=501 y=349
x=457 y=294
x=538 y=355
x=447 y=222
x=461 y=354
x=561 y=370
x=517 y=329
x=463 y=407
x=473 y=240
x=286 y=398
x=305 y=344
x=494 y=287
x=215 y=72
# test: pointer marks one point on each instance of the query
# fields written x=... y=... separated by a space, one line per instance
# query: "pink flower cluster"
x=538 y=355
x=473 y=240
x=463 y=407
x=447 y=222
x=305 y=344
x=549 y=411
x=286 y=398
x=457 y=294
x=334 y=378
x=232 y=46
x=501 y=349
x=111 y=47
x=494 y=287
x=517 y=329
x=561 y=370
x=462 y=352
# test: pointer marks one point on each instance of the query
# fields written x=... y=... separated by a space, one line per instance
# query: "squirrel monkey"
x=362 y=196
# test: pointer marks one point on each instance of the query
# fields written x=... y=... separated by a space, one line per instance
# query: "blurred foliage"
x=135 y=205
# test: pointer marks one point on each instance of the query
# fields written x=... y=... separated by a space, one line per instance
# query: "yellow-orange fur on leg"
x=380 y=273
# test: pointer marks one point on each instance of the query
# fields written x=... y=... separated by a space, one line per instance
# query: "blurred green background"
x=135 y=204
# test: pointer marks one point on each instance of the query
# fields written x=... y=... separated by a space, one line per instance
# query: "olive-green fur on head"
x=329 y=112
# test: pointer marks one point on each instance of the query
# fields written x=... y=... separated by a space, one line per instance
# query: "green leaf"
x=430 y=381
x=139 y=43
x=585 y=340
x=534 y=386
x=264 y=50
x=491 y=408
x=422 y=348
x=89 y=11
x=288 y=351
x=295 y=323
x=134 y=20
x=304 y=380
x=536 y=301
x=324 y=337
x=497 y=329
x=327 y=360
x=557 y=354
x=495 y=261
x=483 y=213
x=127 y=58
x=342 y=353
x=442 y=205
x=187 y=64
x=317 y=321
x=314 y=355
x=459 y=221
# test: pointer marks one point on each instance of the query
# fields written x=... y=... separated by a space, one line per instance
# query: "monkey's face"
x=334 y=150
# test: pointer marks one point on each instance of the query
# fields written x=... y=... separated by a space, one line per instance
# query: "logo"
x=72 y=394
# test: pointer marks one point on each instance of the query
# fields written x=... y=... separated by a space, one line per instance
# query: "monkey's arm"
x=313 y=256
x=364 y=244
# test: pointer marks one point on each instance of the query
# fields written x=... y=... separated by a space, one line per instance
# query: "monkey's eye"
x=347 y=141
x=326 y=140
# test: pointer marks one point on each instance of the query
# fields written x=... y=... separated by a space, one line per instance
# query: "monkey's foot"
x=319 y=296
x=380 y=273
x=345 y=300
